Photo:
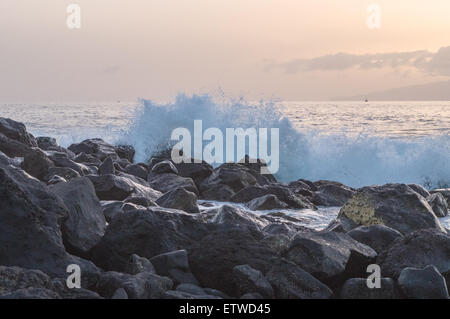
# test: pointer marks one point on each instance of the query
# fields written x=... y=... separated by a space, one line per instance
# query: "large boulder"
x=332 y=194
x=444 y=192
x=197 y=171
x=439 y=204
x=174 y=265
x=249 y=280
x=164 y=167
x=378 y=237
x=425 y=283
x=16 y=131
x=146 y=233
x=112 y=187
x=30 y=233
x=64 y=172
x=417 y=249
x=181 y=199
x=96 y=147
x=227 y=215
x=85 y=224
x=266 y=202
x=329 y=256
x=37 y=163
x=15 y=278
x=393 y=205
x=136 y=170
x=420 y=190
x=107 y=167
x=126 y=152
x=289 y=281
x=356 y=288
x=61 y=160
x=12 y=148
x=165 y=182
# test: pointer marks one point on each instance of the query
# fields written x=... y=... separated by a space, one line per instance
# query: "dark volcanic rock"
x=141 y=286
x=16 y=131
x=64 y=172
x=96 y=147
x=393 y=205
x=419 y=189
x=37 y=243
x=417 y=249
x=231 y=216
x=378 y=237
x=84 y=158
x=332 y=195
x=218 y=192
x=289 y=281
x=249 y=280
x=61 y=160
x=107 y=167
x=86 y=223
x=444 y=192
x=37 y=163
x=136 y=170
x=425 y=283
x=439 y=204
x=146 y=233
x=266 y=202
x=329 y=256
x=137 y=264
x=16 y=278
x=126 y=152
x=197 y=171
x=12 y=148
x=168 y=181
x=181 y=199
x=164 y=167
x=356 y=288
x=174 y=265
x=111 y=187
x=249 y=193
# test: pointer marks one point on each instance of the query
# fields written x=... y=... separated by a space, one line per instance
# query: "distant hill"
x=437 y=91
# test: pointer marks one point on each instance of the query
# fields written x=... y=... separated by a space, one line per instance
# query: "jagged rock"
x=332 y=195
x=249 y=280
x=218 y=192
x=174 y=265
x=166 y=182
x=64 y=172
x=84 y=158
x=444 y=192
x=37 y=243
x=329 y=256
x=420 y=190
x=378 y=237
x=61 y=160
x=107 y=167
x=16 y=278
x=126 y=152
x=86 y=223
x=164 y=167
x=37 y=163
x=16 y=131
x=439 y=204
x=393 y=205
x=289 y=281
x=136 y=170
x=197 y=171
x=356 y=288
x=232 y=216
x=417 y=249
x=146 y=233
x=141 y=286
x=111 y=187
x=425 y=283
x=249 y=193
x=140 y=200
x=50 y=144
x=137 y=264
x=266 y=202
x=181 y=199
x=55 y=179
x=96 y=147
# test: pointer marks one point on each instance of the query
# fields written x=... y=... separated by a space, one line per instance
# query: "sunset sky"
x=289 y=49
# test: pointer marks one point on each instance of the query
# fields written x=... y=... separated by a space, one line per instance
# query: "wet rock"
x=107 y=167
x=164 y=167
x=146 y=233
x=85 y=224
x=16 y=131
x=166 y=182
x=84 y=158
x=356 y=288
x=181 y=199
x=136 y=170
x=61 y=160
x=55 y=179
x=227 y=215
x=394 y=205
x=218 y=192
x=439 y=204
x=111 y=187
x=332 y=195
x=417 y=249
x=249 y=193
x=137 y=264
x=64 y=172
x=425 y=283
x=174 y=265
x=444 y=192
x=266 y=202
x=96 y=147
x=140 y=200
x=329 y=256
x=126 y=152
x=37 y=163
x=50 y=144
x=289 y=281
x=12 y=148
x=249 y=280
x=378 y=237
x=197 y=171
x=141 y=286
x=419 y=189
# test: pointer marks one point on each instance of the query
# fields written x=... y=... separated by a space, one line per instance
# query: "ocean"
x=356 y=143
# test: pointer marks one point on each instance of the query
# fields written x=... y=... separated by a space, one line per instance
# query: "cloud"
x=425 y=61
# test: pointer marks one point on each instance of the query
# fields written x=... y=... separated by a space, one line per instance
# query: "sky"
x=154 y=49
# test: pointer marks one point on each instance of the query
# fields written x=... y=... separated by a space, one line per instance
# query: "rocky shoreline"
x=136 y=229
